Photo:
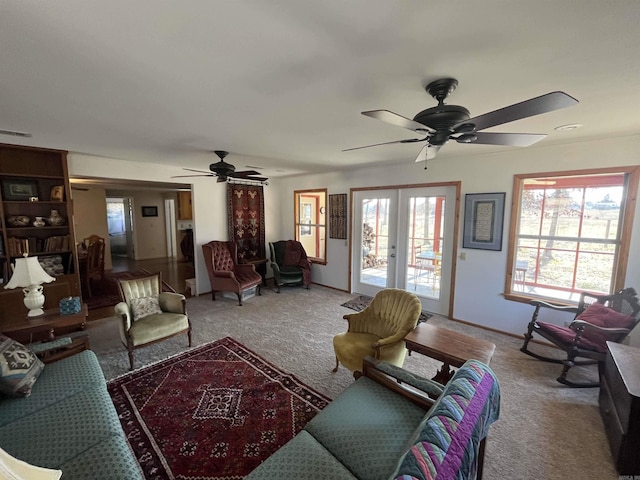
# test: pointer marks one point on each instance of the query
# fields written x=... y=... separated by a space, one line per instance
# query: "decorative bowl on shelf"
x=18 y=221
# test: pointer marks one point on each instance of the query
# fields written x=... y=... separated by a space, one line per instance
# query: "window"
x=311 y=222
x=567 y=233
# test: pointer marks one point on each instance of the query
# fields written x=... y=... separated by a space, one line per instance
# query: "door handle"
x=393 y=255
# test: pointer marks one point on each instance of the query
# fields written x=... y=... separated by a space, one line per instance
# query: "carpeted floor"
x=216 y=411
x=545 y=431
x=360 y=302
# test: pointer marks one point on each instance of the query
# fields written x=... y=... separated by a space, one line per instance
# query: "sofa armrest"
x=421 y=398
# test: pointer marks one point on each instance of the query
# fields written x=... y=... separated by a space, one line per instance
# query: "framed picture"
x=149 y=211
x=483 y=221
x=19 y=189
x=57 y=193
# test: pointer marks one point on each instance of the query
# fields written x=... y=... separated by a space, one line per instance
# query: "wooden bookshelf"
x=33 y=183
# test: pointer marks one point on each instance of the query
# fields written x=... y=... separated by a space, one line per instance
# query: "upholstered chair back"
x=277 y=251
x=393 y=310
x=223 y=255
x=140 y=287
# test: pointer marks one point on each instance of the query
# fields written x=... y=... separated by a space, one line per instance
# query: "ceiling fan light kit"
x=446 y=122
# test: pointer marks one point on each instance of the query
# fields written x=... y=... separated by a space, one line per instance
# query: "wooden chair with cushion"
x=149 y=315
x=225 y=273
x=597 y=319
x=378 y=330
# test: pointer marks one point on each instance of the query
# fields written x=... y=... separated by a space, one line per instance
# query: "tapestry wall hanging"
x=338 y=215
x=245 y=215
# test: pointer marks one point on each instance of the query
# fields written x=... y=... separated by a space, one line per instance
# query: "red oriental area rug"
x=214 y=412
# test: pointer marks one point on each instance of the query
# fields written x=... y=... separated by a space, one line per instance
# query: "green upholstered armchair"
x=148 y=314
x=378 y=330
x=296 y=271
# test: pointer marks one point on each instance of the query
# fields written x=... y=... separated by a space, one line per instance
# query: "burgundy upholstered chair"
x=225 y=273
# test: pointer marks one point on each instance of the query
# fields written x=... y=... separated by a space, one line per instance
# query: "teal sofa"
x=391 y=424
x=69 y=423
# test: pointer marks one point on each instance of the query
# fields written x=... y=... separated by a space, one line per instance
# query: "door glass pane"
x=375 y=241
x=425 y=245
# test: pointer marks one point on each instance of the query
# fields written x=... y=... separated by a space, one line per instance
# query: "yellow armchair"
x=149 y=315
x=378 y=330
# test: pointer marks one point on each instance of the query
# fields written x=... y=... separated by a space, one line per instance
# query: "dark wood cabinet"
x=36 y=217
x=620 y=405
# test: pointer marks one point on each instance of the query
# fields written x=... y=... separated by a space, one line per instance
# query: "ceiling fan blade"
x=247 y=172
x=199 y=171
x=408 y=140
x=428 y=152
x=529 y=108
x=185 y=176
x=509 y=139
x=248 y=177
x=398 y=120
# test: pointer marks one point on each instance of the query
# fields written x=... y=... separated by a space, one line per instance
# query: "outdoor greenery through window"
x=311 y=222
x=568 y=234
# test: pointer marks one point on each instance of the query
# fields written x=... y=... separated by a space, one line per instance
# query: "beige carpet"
x=546 y=431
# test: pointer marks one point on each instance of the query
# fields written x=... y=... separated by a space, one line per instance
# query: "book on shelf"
x=17 y=246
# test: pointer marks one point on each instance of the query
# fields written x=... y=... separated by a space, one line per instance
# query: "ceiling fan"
x=444 y=122
x=224 y=171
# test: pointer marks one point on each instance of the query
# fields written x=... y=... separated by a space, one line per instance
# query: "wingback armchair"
x=149 y=315
x=290 y=264
x=225 y=273
x=378 y=330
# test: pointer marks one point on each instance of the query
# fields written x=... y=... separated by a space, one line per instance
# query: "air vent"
x=14 y=133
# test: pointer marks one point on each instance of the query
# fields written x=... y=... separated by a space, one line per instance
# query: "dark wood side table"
x=261 y=267
x=46 y=327
x=451 y=348
x=619 y=401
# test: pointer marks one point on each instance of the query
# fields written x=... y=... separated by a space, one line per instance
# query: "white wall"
x=479 y=280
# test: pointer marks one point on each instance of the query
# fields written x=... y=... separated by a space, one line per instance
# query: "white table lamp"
x=29 y=274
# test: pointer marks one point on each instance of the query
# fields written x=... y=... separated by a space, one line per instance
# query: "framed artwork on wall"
x=483 y=221
x=149 y=211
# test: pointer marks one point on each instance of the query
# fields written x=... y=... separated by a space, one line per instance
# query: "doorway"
x=404 y=238
x=120 y=227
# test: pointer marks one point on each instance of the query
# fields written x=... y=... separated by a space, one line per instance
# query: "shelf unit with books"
x=36 y=218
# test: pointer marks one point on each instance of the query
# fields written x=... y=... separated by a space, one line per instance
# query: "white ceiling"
x=281 y=83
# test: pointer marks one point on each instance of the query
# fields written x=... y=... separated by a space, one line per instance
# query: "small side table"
x=46 y=327
x=261 y=267
x=451 y=348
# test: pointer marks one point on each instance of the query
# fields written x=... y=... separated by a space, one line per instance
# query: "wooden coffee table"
x=451 y=348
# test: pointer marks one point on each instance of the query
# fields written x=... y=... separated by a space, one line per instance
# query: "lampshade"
x=29 y=274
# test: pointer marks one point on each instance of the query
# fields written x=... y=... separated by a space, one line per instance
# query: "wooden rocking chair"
x=597 y=319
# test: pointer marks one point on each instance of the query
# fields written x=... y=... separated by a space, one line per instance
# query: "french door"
x=403 y=238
